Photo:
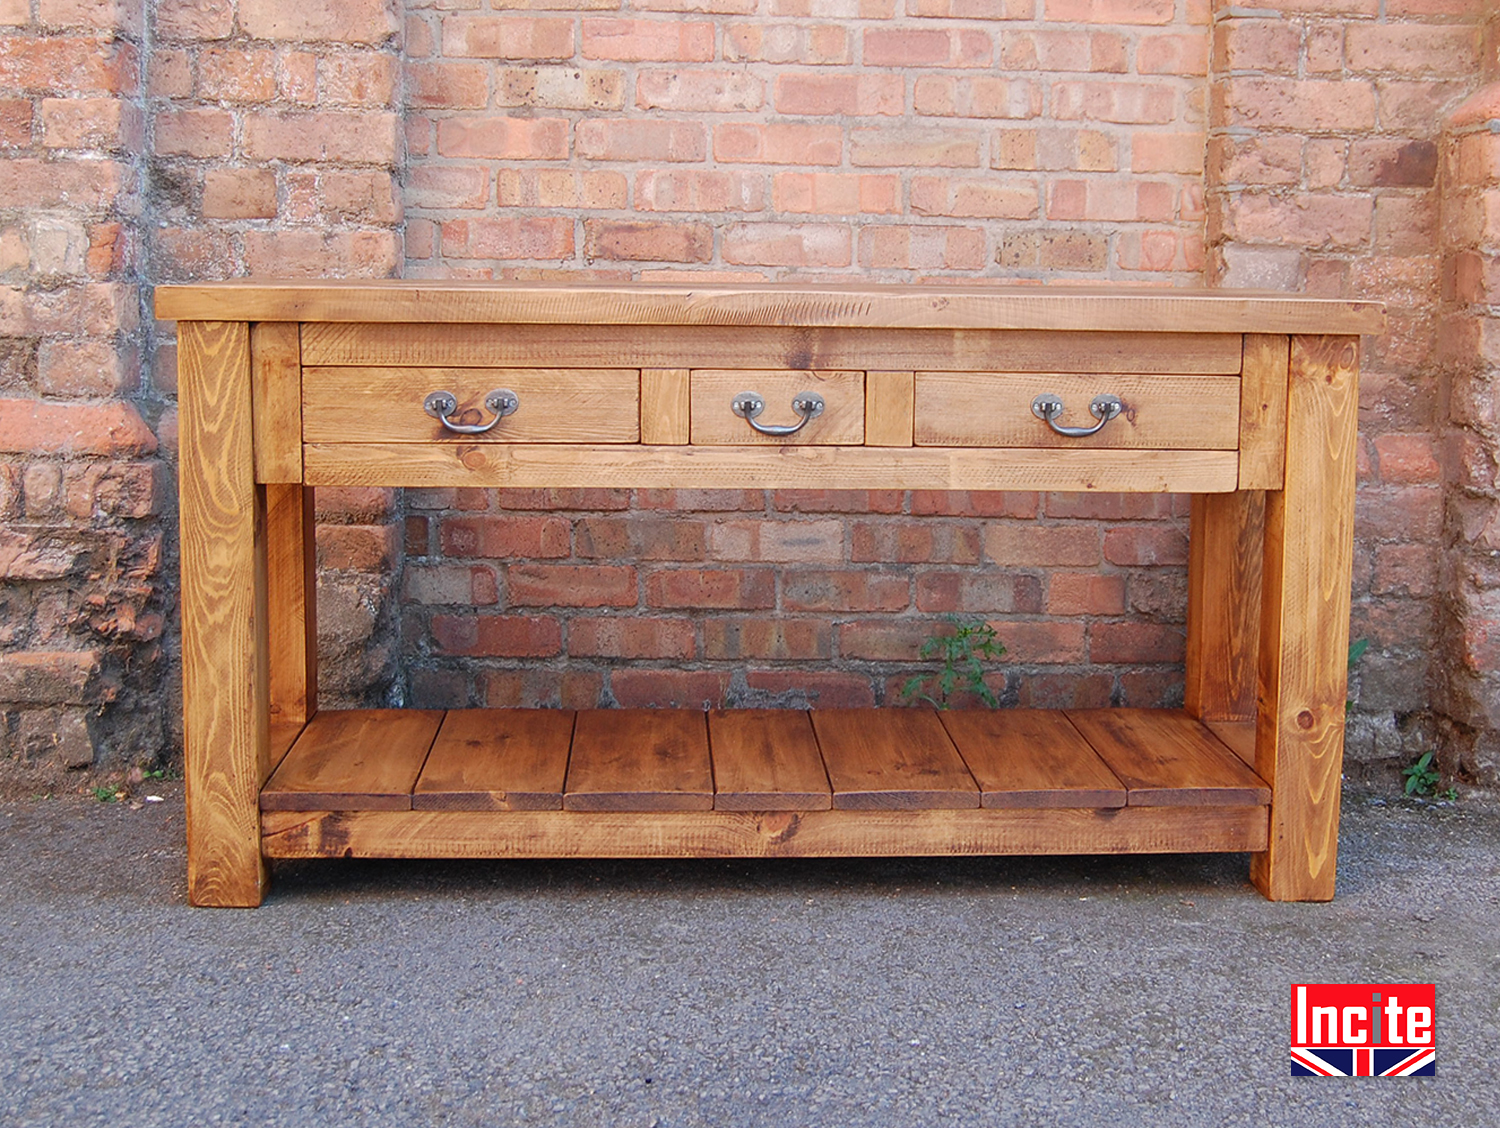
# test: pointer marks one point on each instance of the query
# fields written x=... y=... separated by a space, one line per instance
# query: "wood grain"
x=855 y=304
x=1237 y=736
x=766 y=760
x=224 y=644
x=1309 y=553
x=712 y=391
x=496 y=760
x=291 y=602
x=354 y=760
x=1263 y=412
x=809 y=467
x=276 y=400
x=664 y=406
x=891 y=759
x=747 y=346
x=1031 y=758
x=777 y=834
x=985 y=409
x=1224 y=582
x=352 y=405
x=1166 y=758
x=639 y=760
x=889 y=407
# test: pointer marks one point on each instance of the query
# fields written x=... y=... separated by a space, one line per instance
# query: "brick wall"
x=1298 y=145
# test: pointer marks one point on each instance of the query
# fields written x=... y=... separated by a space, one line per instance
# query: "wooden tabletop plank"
x=892 y=759
x=860 y=303
x=639 y=760
x=1031 y=758
x=354 y=760
x=1165 y=758
x=497 y=760
x=767 y=760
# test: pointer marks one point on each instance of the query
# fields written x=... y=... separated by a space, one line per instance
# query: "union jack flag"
x=1308 y=1061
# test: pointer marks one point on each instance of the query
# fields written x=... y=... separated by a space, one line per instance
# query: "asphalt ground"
x=1009 y=991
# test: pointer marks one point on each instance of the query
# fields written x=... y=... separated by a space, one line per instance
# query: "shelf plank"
x=497 y=760
x=1238 y=737
x=776 y=834
x=1031 y=758
x=639 y=760
x=354 y=760
x=766 y=760
x=892 y=759
x=1166 y=758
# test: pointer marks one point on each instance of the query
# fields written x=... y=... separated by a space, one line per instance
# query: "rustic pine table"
x=1245 y=401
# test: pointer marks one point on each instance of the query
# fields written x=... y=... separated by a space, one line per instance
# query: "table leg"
x=1309 y=551
x=224 y=637
x=291 y=585
x=1224 y=582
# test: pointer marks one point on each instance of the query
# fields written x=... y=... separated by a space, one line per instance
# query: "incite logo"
x=1364 y=1030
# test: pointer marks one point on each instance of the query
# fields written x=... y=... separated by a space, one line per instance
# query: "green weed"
x=963 y=654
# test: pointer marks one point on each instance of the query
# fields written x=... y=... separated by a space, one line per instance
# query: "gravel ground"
x=1113 y=991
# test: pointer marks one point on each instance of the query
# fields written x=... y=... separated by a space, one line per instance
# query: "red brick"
x=514 y=238
x=816 y=689
x=560 y=188
x=1407 y=459
x=720 y=7
x=640 y=140
x=417 y=535
x=1111 y=11
x=778 y=143
x=507 y=37
x=1409 y=570
x=359 y=505
x=837 y=193
x=239 y=193
x=540 y=688
x=837 y=501
x=360 y=196
x=504 y=138
x=1023 y=545
x=886 y=641
x=726 y=588
x=1128 y=103
x=129 y=490
x=598 y=497
x=1135 y=643
x=641 y=538
x=86 y=368
x=785 y=639
x=919 y=148
x=193 y=133
x=912 y=47
x=631 y=638
x=986 y=97
x=711 y=501
x=504 y=536
x=787 y=244
x=1145 y=545
x=700 y=91
x=648 y=242
x=447 y=86
x=90 y=123
x=1085 y=593
x=1166 y=152
x=444 y=186
x=936 y=195
x=1272 y=46
x=571 y=585
x=815 y=45
x=357 y=78
x=922 y=248
x=67 y=65
x=1172 y=54
x=698 y=190
x=451 y=584
x=914 y=542
x=32 y=427
x=860 y=95
x=194 y=19
x=342 y=21
x=973 y=503
x=862 y=9
x=53 y=677
x=779 y=541
x=668 y=689
x=648 y=40
x=844 y=591
x=1064 y=691
x=329 y=254
x=15 y=123
x=496 y=636
x=1151 y=689
x=1301 y=221
x=1027 y=642
x=561 y=88
x=1412 y=48
x=352 y=136
x=978 y=591
x=237 y=75
x=358 y=548
x=972 y=9
x=1094 y=52
x=1292 y=104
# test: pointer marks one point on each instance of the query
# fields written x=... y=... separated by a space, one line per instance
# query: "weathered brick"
x=503 y=138
x=1128 y=103
x=699 y=190
x=496 y=636
x=836 y=193
x=449 y=86
x=360 y=548
x=913 y=542
x=986 y=97
x=972 y=9
x=519 y=238
x=1303 y=220
x=627 y=140
x=1305 y=105
x=328 y=254
x=52 y=677
x=570 y=585
x=67 y=65
x=1111 y=11
x=1028 y=641
x=973 y=503
x=781 y=639
x=1412 y=48
x=596 y=497
x=1391 y=162
x=89 y=123
x=779 y=541
x=560 y=188
x=922 y=248
x=1182 y=153
x=922 y=148
x=1022 y=545
x=934 y=195
x=1271 y=46
x=1085 y=593
x=357 y=137
x=726 y=588
x=669 y=689
x=631 y=638
x=778 y=143
x=1407 y=459
x=86 y=368
x=534 y=687
x=815 y=45
x=193 y=133
x=1145 y=545
x=1172 y=54
x=969 y=591
x=787 y=244
x=859 y=95
x=836 y=501
x=338 y=21
x=357 y=78
x=845 y=590
x=926 y=47
x=561 y=88
x=814 y=689
x=649 y=242
x=1120 y=643
x=700 y=91
x=130 y=490
x=504 y=536
x=33 y=427
x=639 y=41
x=447 y=186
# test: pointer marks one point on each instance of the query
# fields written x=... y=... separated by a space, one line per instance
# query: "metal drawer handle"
x=440 y=405
x=1048 y=407
x=747 y=405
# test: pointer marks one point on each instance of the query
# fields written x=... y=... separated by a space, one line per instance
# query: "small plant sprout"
x=963 y=654
x=1422 y=779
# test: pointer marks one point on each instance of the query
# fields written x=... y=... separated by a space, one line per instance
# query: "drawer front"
x=556 y=405
x=711 y=394
x=979 y=409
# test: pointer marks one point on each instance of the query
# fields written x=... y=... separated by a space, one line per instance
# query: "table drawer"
x=981 y=409
x=713 y=422
x=555 y=405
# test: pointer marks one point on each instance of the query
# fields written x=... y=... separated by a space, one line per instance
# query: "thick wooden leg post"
x=224 y=642
x=291 y=583
x=1309 y=551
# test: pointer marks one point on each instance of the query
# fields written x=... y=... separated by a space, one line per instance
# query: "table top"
x=854 y=305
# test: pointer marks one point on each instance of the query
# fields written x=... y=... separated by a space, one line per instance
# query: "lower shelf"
x=678 y=783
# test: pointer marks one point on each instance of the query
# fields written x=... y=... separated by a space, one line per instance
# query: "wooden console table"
x=1245 y=401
